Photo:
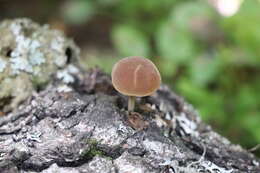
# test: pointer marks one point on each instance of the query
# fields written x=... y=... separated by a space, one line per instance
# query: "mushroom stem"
x=131 y=103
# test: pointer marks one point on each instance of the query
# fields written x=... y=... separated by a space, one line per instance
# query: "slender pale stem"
x=131 y=103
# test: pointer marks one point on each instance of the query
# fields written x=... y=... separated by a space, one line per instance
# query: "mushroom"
x=135 y=77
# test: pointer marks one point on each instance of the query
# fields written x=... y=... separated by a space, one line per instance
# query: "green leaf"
x=209 y=104
x=251 y=123
x=204 y=69
x=175 y=45
x=78 y=12
x=238 y=55
x=167 y=68
x=243 y=29
x=183 y=14
x=130 y=41
x=135 y=7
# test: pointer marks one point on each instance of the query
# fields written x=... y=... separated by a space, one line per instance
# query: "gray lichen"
x=29 y=55
x=2 y=65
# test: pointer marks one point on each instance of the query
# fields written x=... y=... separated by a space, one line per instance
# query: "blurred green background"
x=208 y=51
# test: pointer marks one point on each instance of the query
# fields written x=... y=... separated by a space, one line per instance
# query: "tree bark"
x=83 y=127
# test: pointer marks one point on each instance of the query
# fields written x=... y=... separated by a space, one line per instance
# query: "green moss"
x=92 y=142
x=93 y=149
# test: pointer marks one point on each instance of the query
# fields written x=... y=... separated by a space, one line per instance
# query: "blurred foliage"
x=76 y=12
x=127 y=38
x=211 y=60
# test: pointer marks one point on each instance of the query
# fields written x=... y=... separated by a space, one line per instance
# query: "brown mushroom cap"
x=135 y=76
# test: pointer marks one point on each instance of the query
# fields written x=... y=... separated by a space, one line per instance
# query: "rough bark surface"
x=83 y=127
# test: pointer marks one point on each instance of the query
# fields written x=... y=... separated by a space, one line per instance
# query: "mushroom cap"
x=135 y=76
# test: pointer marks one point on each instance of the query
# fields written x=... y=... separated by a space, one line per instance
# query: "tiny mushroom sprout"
x=135 y=77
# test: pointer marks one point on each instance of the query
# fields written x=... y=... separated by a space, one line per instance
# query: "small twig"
x=201 y=158
x=254 y=148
